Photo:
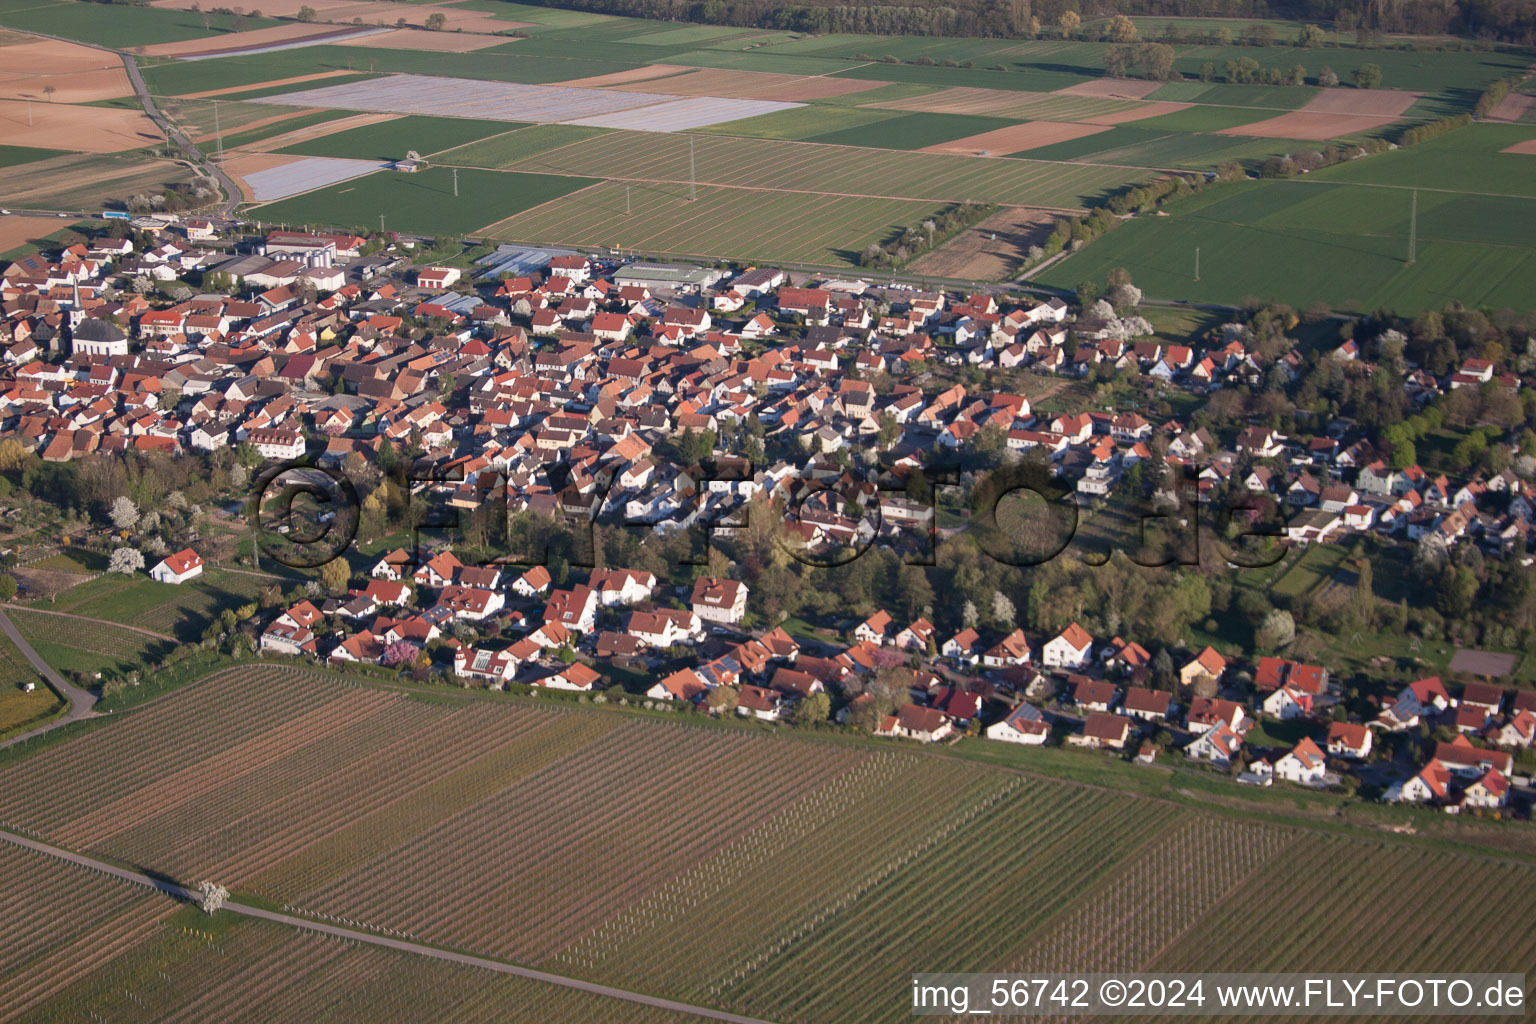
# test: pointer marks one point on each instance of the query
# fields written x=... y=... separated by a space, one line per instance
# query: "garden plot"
x=541 y=104
x=304 y=175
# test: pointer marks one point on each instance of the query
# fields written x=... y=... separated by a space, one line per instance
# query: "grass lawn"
x=912 y=131
x=1313 y=568
x=177 y=610
x=389 y=140
x=75 y=560
x=423 y=202
x=20 y=710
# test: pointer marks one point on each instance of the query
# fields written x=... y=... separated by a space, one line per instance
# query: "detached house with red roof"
x=719 y=600
x=178 y=568
x=1071 y=648
x=1304 y=765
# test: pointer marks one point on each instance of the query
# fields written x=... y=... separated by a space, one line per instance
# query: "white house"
x=1025 y=724
x=719 y=600
x=532 y=583
x=1347 y=740
x=1071 y=648
x=1304 y=765
x=177 y=568
x=1218 y=745
x=484 y=666
x=574 y=676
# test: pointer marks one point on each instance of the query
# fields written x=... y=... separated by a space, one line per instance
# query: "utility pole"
x=627 y=209
x=217 y=134
x=693 y=177
x=1413 y=229
x=29 y=111
x=381 y=223
x=455 y=183
x=1197 y=263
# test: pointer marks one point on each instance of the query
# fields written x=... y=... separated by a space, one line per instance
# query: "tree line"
x=1511 y=21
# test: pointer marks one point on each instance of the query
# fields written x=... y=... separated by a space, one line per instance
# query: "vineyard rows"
x=578 y=842
x=58 y=919
x=722 y=867
x=101 y=638
x=259 y=972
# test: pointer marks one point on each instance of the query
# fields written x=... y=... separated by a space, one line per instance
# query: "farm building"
x=178 y=568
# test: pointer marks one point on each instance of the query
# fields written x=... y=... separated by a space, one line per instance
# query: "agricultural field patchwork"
x=844 y=170
x=390 y=140
x=705 y=864
x=712 y=222
x=423 y=202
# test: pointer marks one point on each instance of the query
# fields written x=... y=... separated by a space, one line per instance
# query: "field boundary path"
x=80 y=701
x=179 y=892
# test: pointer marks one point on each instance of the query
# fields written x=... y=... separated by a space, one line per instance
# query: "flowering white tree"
x=124 y=513
x=213 y=896
x=126 y=561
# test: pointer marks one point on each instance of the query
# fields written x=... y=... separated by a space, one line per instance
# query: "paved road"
x=233 y=196
x=182 y=893
x=80 y=701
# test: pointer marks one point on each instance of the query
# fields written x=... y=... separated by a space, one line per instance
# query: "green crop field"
x=1299 y=242
x=389 y=140
x=120 y=25
x=1203 y=118
x=1135 y=146
x=505 y=150
x=801 y=123
x=422 y=202
x=1025 y=79
x=181 y=77
x=703 y=863
x=12 y=156
x=1469 y=159
x=846 y=170
x=785 y=226
x=252 y=136
x=912 y=131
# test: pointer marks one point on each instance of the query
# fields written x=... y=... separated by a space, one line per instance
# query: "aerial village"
x=558 y=379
